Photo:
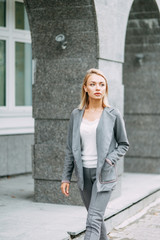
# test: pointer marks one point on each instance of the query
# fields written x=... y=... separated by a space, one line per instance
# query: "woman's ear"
x=85 y=89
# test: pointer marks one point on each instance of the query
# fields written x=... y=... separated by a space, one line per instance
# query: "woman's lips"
x=97 y=94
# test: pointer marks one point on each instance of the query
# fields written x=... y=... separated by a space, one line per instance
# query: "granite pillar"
x=56 y=90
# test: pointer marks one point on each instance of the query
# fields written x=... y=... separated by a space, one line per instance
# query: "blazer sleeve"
x=121 y=139
x=69 y=158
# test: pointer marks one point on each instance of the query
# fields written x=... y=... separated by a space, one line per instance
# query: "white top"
x=88 y=143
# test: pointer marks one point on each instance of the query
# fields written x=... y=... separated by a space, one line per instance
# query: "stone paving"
x=145 y=228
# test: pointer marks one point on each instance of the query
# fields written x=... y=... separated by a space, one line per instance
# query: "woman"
x=96 y=141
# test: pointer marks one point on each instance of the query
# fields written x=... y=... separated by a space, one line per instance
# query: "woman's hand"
x=65 y=188
x=109 y=161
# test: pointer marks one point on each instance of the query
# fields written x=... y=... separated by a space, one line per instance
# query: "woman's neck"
x=93 y=110
x=95 y=104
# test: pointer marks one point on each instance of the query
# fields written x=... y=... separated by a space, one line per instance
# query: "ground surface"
x=145 y=228
x=23 y=219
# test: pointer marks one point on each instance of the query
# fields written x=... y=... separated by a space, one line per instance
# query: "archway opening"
x=141 y=78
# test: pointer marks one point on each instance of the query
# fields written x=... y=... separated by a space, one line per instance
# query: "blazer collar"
x=107 y=109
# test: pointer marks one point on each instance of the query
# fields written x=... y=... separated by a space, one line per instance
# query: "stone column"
x=56 y=90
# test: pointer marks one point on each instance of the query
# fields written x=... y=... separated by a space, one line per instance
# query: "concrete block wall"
x=15 y=154
x=142 y=87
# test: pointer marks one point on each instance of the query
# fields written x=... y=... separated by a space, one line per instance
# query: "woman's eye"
x=102 y=84
x=92 y=84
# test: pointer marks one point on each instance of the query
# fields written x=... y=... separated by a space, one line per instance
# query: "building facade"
x=122 y=38
x=16 y=122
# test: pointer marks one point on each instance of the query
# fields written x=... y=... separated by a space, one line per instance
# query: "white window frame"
x=13 y=119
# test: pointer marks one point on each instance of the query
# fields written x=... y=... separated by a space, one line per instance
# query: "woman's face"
x=96 y=86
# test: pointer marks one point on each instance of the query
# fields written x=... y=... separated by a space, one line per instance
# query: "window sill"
x=10 y=125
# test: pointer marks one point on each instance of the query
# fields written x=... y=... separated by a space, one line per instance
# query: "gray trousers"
x=95 y=203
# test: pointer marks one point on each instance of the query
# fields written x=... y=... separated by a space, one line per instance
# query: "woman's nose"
x=97 y=86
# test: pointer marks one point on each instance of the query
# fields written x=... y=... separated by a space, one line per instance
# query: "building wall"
x=142 y=87
x=16 y=122
x=15 y=157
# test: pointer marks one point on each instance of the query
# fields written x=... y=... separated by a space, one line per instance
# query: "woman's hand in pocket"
x=109 y=161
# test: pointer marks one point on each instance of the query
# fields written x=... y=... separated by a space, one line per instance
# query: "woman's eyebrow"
x=95 y=82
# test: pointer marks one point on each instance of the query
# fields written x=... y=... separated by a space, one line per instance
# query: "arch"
x=112 y=17
x=111 y=23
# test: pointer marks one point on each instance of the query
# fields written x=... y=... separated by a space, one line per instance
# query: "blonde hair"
x=84 y=95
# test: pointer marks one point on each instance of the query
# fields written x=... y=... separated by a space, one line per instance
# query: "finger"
x=63 y=188
x=66 y=192
x=67 y=189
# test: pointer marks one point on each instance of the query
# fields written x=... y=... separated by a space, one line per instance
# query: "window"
x=23 y=74
x=21 y=19
x=15 y=69
x=2 y=73
x=2 y=13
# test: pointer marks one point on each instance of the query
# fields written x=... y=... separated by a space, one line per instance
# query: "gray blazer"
x=112 y=143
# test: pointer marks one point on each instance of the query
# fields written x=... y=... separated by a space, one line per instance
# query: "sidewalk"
x=21 y=218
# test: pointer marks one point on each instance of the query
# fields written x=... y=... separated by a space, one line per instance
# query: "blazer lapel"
x=104 y=134
x=76 y=129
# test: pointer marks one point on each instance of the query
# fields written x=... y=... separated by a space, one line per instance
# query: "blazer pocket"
x=108 y=173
